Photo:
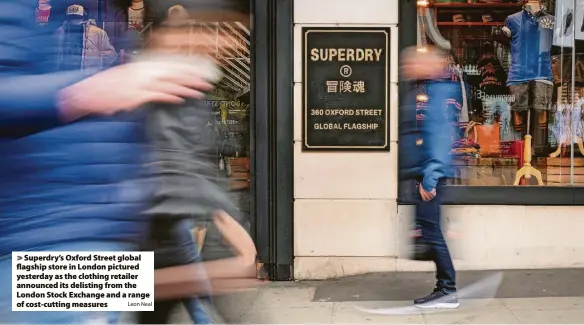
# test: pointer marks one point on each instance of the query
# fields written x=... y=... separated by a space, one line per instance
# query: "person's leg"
x=174 y=245
x=194 y=306
x=428 y=219
x=195 y=309
x=7 y=316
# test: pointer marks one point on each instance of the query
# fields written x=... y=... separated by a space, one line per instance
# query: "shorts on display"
x=531 y=94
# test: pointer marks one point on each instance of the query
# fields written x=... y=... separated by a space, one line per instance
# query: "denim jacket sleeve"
x=436 y=132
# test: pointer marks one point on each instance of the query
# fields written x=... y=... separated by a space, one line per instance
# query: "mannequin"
x=83 y=45
x=530 y=75
x=43 y=12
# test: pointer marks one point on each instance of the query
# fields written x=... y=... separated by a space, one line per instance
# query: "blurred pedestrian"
x=425 y=144
x=72 y=151
x=186 y=180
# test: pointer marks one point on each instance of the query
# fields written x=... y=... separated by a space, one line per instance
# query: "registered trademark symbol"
x=346 y=71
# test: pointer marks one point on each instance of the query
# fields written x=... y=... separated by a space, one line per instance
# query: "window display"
x=521 y=121
x=84 y=43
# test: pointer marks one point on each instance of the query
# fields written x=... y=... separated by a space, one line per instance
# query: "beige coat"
x=97 y=52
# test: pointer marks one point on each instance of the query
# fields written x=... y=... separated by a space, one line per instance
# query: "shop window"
x=124 y=28
x=521 y=110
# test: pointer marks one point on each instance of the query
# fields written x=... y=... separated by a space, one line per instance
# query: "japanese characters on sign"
x=334 y=86
x=345 y=88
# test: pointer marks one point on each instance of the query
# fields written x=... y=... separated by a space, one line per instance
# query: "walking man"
x=425 y=144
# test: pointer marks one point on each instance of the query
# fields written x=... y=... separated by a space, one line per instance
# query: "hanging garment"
x=499 y=109
x=567 y=125
x=493 y=76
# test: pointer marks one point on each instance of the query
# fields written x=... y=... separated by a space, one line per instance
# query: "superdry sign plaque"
x=346 y=88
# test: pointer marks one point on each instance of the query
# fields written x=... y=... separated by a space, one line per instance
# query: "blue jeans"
x=428 y=219
x=196 y=311
x=7 y=316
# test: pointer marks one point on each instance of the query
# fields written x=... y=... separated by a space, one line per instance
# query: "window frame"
x=475 y=195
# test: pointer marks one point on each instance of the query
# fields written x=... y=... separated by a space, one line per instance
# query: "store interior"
x=519 y=121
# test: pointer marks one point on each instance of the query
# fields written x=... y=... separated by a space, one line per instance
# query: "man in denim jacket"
x=425 y=144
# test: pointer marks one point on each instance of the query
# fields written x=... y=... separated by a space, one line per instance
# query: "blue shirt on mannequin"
x=531 y=42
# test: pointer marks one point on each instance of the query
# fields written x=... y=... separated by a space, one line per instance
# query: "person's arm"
x=507 y=31
x=437 y=132
x=32 y=103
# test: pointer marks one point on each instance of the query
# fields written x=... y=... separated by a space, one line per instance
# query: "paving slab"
x=282 y=315
x=486 y=315
x=525 y=296
x=543 y=303
x=347 y=313
x=397 y=286
x=557 y=316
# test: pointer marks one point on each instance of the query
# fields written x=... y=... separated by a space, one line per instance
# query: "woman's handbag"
x=488 y=137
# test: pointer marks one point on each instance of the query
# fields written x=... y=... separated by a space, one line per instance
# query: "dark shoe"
x=438 y=300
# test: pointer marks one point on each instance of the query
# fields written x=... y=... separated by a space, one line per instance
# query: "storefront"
x=308 y=120
x=350 y=211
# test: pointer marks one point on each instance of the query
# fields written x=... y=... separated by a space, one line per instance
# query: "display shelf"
x=470 y=24
x=476 y=5
x=461 y=7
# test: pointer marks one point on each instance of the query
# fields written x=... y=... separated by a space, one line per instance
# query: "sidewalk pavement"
x=525 y=296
